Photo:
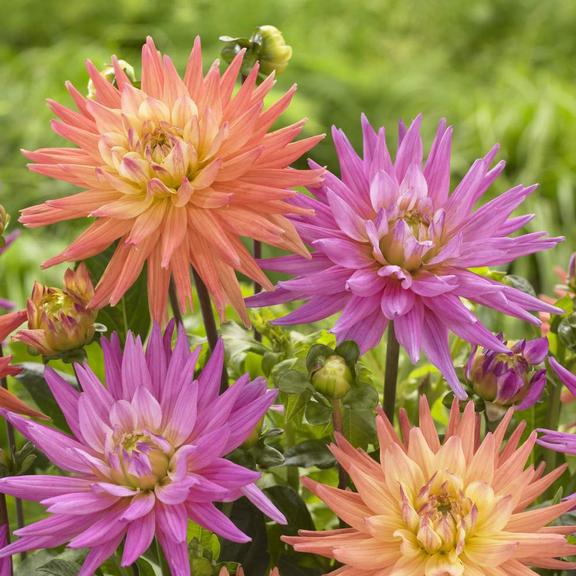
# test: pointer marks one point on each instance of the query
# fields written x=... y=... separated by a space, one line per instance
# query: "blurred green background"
x=499 y=70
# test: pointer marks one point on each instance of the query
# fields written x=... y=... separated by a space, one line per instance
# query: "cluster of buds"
x=60 y=321
x=515 y=379
x=266 y=46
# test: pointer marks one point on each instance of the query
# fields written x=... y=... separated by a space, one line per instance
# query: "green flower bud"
x=274 y=53
x=334 y=378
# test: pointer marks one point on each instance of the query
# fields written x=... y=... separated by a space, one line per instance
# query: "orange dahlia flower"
x=175 y=171
x=451 y=508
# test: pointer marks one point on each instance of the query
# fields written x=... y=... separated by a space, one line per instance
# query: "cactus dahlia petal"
x=175 y=172
x=393 y=244
x=146 y=455
x=432 y=508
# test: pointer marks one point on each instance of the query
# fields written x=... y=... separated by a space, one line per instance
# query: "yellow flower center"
x=444 y=515
x=144 y=460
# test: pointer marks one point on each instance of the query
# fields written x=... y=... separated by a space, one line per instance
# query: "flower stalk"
x=391 y=375
x=209 y=323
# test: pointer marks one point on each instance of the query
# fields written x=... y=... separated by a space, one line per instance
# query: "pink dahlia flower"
x=146 y=454
x=393 y=244
x=176 y=171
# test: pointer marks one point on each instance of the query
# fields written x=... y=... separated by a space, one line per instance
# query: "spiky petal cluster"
x=393 y=244
x=432 y=508
x=514 y=379
x=175 y=171
x=553 y=439
x=146 y=454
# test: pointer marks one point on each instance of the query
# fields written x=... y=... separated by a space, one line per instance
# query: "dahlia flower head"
x=392 y=244
x=146 y=454
x=451 y=508
x=176 y=172
x=554 y=439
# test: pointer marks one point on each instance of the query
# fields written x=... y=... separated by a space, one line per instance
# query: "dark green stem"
x=257 y=250
x=209 y=323
x=391 y=377
x=135 y=570
x=174 y=303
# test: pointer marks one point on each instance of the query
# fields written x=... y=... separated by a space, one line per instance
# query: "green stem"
x=292 y=474
x=257 y=251
x=209 y=323
x=135 y=570
x=391 y=376
x=174 y=303
x=338 y=425
x=164 y=568
x=12 y=447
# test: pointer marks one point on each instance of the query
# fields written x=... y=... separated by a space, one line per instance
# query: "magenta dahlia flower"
x=147 y=454
x=393 y=244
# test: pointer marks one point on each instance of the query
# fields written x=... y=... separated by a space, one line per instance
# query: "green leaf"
x=148 y=568
x=267 y=457
x=58 y=567
x=253 y=556
x=32 y=378
x=520 y=283
x=293 y=382
x=295 y=406
x=359 y=419
x=288 y=501
x=310 y=453
x=269 y=361
x=132 y=312
x=317 y=413
x=349 y=351
x=567 y=332
x=316 y=354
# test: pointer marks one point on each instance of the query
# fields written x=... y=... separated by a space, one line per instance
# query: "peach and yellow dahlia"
x=442 y=508
x=176 y=172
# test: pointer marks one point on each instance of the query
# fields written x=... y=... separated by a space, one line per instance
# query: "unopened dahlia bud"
x=514 y=379
x=274 y=54
x=266 y=46
x=59 y=320
x=110 y=74
x=334 y=378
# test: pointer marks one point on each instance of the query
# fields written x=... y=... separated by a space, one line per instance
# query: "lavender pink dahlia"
x=393 y=244
x=146 y=455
